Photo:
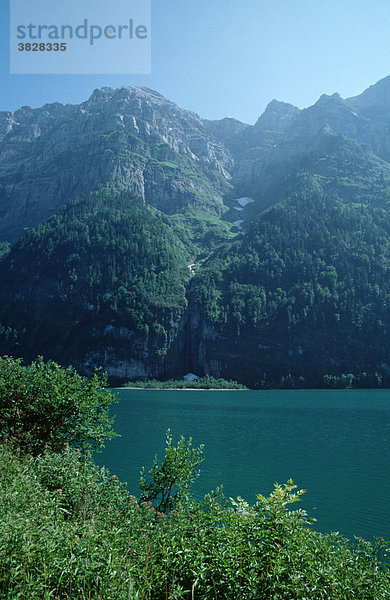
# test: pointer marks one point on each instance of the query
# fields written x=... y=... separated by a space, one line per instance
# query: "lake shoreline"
x=160 y=389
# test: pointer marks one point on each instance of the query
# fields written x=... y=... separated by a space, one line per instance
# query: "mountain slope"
x=103 y=282
x=303 y=295
x=179 y=244
x=130 y=139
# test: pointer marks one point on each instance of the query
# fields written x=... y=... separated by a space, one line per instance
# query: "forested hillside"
x=105 y=277
x=255 y=253
x=304 y=294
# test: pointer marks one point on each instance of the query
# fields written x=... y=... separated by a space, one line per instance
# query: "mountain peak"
x=329 y=99
x=376 y=96
x=277 y=116
x=280 y=106
x=100 y=95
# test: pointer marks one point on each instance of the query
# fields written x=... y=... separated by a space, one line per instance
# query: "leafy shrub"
x=175 y=474
x=90 y=539
x=44 y=406
x=68 y=542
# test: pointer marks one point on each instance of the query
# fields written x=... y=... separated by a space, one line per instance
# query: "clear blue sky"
x=230 y=58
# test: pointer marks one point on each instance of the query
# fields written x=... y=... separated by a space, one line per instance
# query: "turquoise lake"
x=334 y=443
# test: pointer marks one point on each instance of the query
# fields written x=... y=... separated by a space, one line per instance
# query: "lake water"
x=334 y=443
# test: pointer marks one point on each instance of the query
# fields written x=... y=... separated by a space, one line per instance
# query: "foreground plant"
x=45 y=406
x=172 y=479
x=71 y=531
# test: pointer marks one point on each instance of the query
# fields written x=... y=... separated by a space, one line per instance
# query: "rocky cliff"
x=130 y=139
x=153 y=242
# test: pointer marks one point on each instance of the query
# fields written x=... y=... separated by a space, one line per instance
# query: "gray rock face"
x=373 y=107
x=130 y=138
x=284 y=135
x=135 y=139
x=277 y=117
x=374 y=98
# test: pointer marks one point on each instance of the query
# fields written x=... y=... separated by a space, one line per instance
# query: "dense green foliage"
x=106 y=272
x=43 y=406
x=69 y=530
x=170 y=481
x=204 y=383
x=300 y=300
x=4 y=249
x=201 y=232
x=344 y=168
x=304 y=294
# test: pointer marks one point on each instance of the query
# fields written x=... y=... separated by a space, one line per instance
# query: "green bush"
x=171 y=480
x=73 y=541
x=71 y=531
x=44 y=406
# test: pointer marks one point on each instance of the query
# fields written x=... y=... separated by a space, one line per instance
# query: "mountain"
x=128 y=139
x=140 y=237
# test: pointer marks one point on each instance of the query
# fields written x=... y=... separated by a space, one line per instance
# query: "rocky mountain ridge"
x=53 y=153
x=260 y=212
